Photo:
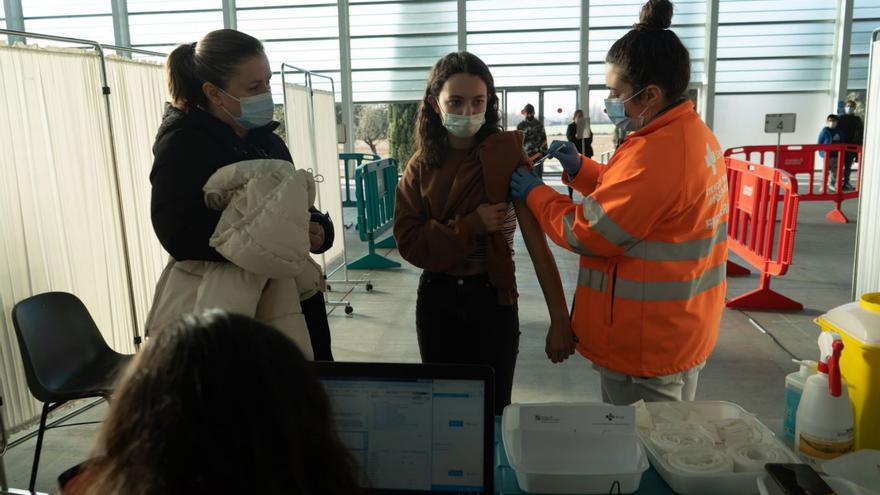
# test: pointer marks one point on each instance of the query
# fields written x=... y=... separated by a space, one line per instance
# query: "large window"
x=611 y=19
x=160 y=25
x=84 y=19
x=767 y=46
x=866 y=18
x=304 y=34
x=539 y=46
x=394 y=44
x=764 y=46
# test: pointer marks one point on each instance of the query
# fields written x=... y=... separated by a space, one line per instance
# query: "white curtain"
x=137 y=101
x=327 y=154
x=867 y=270
x=311 y=136
x=59 y=216
x=297 y=119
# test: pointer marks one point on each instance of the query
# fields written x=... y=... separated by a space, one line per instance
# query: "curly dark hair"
x=431 y=138
x=221 y=404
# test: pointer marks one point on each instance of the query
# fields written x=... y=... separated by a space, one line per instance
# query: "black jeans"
x=848 y=160
x=315 y=313
x=459 y=321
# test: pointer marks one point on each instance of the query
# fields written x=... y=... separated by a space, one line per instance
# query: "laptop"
x=415 y=428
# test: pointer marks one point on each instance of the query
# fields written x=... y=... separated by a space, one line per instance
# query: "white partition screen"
x=60 y=228
x=310 y=119
x=327 y=154
x=59 y=224
x=137 y=102
x=867 y=269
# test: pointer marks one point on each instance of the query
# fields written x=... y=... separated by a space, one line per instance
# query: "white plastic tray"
x=699 y=484
x=861 y=467
x=563 y=460
x=840 y=486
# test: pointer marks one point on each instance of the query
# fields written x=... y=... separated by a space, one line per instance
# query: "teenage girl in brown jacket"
x=454 y=219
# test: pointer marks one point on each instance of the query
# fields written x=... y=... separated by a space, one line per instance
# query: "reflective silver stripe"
x=603 y=225
x=678 y=251
x=654 y=291
x=593 y=279
x=570 y=238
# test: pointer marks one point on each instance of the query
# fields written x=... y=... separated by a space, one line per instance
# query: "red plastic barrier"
x=755 y=194
x=800 y=159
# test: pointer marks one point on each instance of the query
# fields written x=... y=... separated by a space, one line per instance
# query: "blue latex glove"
x=522 y=182
x=568 y=156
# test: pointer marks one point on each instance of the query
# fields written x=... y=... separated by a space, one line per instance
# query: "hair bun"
x=655 y=14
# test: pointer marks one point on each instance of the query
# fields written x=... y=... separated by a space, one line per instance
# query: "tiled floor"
x=747 y=367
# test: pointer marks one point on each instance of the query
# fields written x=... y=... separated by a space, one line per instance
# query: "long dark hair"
x=215 y=59
x=221 y=404
x=431 y=140
x=652 y=54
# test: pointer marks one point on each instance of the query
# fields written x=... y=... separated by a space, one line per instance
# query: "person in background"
x=453 y=218
x=831 y=134
x=580 y=133
x=220 y=113
x=652 y=227
x=219 y=403
x=853 y=132
x=535 y=142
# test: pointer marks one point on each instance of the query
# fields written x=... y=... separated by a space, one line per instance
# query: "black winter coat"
x=571 y=135
x=189 y=148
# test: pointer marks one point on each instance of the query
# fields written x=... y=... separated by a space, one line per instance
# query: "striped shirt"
x=508 y=229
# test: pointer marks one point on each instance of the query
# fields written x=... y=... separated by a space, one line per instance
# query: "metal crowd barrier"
x=375 y=188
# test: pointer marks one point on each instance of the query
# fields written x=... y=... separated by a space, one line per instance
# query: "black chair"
x=65 y=356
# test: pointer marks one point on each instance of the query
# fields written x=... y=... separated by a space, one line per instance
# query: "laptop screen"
x=414 y=432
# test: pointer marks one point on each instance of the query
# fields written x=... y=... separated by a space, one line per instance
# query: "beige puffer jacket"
x=263 y=231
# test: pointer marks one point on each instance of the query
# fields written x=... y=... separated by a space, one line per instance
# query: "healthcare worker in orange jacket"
x=651 y=229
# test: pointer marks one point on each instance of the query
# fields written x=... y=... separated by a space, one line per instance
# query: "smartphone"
x=796 y=479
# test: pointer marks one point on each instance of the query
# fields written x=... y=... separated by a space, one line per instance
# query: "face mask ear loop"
x=637 y=93
x=229 y=95
x=641 y=116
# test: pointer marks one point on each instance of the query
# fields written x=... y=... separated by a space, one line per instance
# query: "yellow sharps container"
x=858 y=324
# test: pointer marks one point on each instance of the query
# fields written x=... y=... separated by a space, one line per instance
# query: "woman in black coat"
x=585 y=144
x=221 y=113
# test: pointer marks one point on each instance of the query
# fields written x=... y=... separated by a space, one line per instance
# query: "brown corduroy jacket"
x=436 y=224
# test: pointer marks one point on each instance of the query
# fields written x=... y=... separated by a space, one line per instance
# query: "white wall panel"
x=739 y=119
x=867 y=269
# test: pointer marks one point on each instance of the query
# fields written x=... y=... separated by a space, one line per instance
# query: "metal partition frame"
x=129 y=50
x=105 y=89
x=308 y=84
x=308 y=75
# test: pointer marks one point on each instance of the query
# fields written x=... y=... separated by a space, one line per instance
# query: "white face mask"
x=256 y=111
x=616 y=110
x=832 y=125
x=463 y=126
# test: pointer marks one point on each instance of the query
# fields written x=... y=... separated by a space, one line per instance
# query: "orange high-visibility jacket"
x=652 y=235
